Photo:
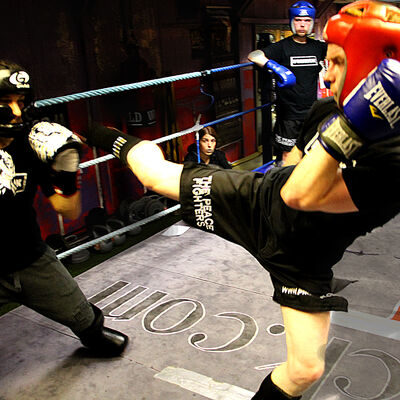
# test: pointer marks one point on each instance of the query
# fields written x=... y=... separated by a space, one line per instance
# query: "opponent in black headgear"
x=14 y=80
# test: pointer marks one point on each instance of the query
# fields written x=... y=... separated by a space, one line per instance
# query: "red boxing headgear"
x=368 y=32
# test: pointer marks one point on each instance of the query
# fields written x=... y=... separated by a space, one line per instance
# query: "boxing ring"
x=202 y=324
x=195 y=128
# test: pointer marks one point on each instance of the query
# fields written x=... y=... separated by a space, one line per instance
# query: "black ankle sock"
x=111 y=140
x=269 y=391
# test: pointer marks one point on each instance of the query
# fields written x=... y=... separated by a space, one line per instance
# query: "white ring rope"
x=118 y=232
x=195 y=128
x=107 y=157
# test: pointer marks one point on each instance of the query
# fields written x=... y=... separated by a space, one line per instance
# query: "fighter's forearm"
x=316 y=184
x=68 y=206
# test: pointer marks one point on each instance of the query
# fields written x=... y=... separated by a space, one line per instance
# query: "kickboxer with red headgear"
x=367 y=31
x=298 y=220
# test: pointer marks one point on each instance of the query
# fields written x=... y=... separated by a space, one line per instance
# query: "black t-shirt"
x=303 y=59
x=312 y=242
x=20 y=174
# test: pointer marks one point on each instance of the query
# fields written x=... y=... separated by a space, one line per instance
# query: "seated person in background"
x=208 y=153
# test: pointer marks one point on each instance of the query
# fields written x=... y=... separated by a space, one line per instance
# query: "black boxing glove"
x=66 y=183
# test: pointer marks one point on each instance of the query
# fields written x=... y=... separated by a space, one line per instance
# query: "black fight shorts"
x=293 y=296
x=286 y=133
x=221 y=201
x=227 y=203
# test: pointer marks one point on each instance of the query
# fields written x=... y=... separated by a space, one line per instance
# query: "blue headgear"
x=301 y=9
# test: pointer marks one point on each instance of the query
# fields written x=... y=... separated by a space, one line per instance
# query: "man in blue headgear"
x=302 y=10
x=295 y=62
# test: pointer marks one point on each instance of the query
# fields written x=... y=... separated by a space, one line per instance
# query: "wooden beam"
x=323 y=7
x=244 y=7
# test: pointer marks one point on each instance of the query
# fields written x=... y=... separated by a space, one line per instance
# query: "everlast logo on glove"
x=381 y=100
x=336 y=134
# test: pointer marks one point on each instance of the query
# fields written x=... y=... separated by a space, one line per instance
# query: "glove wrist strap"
x=66 y=183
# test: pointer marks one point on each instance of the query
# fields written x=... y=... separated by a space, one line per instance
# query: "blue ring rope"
x=198 y=147
x=239 y=114
x=131 y=86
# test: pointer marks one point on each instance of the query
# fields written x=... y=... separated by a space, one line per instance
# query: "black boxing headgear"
x=14 y=79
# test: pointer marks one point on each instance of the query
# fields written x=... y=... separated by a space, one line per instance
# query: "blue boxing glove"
x=285 y=77
x=371 y=113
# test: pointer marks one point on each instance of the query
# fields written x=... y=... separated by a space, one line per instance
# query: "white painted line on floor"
x=268 y=366
x=203 y=385
x=175 y=230
x=367 y=323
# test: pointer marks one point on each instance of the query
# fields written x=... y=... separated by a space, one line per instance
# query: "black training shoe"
x=100 y=340
x=106 y=342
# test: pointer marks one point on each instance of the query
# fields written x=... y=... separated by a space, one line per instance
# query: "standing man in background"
x=296 y=62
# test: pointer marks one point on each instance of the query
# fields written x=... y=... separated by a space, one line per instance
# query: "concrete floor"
x=202 y=324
